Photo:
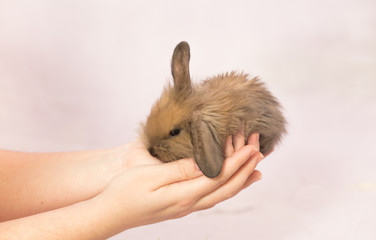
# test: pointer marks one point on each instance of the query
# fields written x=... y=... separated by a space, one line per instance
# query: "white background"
x=80 y=75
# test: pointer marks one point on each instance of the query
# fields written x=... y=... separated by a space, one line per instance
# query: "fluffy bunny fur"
x=194 y=120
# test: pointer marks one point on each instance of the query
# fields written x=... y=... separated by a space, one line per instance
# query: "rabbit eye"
x=175 y=132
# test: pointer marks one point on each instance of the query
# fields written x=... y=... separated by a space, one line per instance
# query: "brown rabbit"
x=194 y=120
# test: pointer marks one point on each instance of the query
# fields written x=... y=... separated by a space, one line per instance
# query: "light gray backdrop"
x=83 y=74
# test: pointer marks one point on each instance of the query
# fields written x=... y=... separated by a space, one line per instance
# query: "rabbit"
x=194 y=120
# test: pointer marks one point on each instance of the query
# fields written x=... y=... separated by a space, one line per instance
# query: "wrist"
x=114 y=160
x=112 y=211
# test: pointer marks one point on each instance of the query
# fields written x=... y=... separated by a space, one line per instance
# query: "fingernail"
x=229 y=139
x=258 y=178
x=260 y=157
x=252 y=151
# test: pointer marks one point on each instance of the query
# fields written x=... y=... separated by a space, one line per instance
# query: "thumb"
x=176 y=171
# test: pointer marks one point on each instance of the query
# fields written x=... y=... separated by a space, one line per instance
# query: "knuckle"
x=181 y=170
x=185 y=205
x=226 y=194
x=206 y=206
x=222 y=180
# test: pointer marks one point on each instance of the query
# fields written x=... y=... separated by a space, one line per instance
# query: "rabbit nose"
x=152 y=152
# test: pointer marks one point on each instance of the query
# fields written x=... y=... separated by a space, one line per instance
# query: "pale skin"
x=97 y=194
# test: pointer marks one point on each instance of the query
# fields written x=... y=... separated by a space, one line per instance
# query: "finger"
x=203 y=185
x=255 y=176
x=238 y=139
x=253 y=139
x=232 y=164
x=229 y=148
x=176 y=171
x=232 y=186
x=187 y=193
x=188 y=204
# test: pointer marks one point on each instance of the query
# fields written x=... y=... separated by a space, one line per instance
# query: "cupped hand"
x=149 y=191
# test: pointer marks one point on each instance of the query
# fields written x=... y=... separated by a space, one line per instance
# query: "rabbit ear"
x=207 y=150
x=180 y=67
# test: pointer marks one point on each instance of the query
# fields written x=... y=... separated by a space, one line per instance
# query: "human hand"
x=137 y=155
x=151 y=192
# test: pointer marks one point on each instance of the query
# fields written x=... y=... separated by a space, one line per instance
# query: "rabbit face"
x=167 y=130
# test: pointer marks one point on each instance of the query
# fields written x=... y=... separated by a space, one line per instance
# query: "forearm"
x=35 y=182
x=90 y=219
x=140 y=195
